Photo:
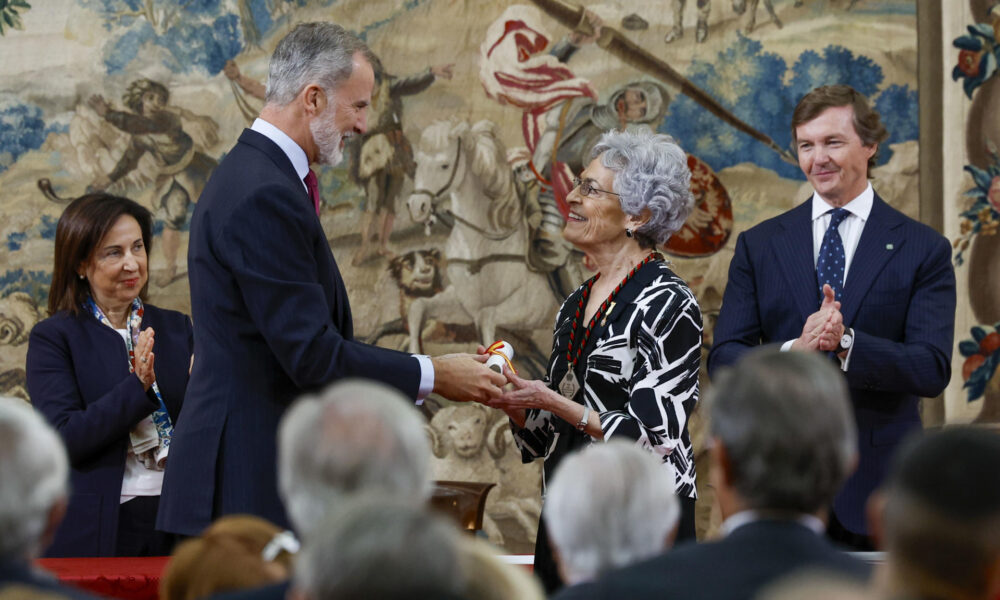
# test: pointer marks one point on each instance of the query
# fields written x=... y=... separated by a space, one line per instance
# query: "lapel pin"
x=888 y=246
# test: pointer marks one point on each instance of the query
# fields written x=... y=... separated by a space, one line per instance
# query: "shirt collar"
x=746 y=517
x=860 y=207
x=293 y=151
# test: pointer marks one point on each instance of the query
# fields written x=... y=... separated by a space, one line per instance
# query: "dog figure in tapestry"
x=463 y=179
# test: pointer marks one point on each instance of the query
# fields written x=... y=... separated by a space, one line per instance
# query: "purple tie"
x=312 y=184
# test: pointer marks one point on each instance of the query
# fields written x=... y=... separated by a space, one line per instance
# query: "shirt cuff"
x=787 y=345
x=426 y=377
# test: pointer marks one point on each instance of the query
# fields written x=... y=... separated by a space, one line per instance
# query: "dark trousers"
x=137 y=535
x=545 y=564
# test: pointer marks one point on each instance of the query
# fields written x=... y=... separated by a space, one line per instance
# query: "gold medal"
x=568 y=387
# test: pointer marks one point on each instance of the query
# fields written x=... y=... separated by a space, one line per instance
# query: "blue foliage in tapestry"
x=191 y=34
x=22 y=129
x=34 y=283
x=45 y=230
x=759 y=88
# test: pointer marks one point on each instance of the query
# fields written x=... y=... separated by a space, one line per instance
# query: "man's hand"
x=98 y=104
x=465 y=377
x=824 y=327
x=231 y=70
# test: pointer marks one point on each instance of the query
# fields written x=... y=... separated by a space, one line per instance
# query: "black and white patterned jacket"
x=639 y=372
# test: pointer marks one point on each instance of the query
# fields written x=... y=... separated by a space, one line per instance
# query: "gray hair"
x=376 y=548
x=34 y=476
x=609 y=506
x=942 y=512
x=786 y=423
x=357 y=436
x=320 y=53
x=651 y=174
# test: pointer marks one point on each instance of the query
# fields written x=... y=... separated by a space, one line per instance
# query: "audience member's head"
x=357 y=436
x=34 y=472
x=940 y=517
x=784 y=433
x=380 y=547
x=236 y=552
x=489 y=577
x=609 y=506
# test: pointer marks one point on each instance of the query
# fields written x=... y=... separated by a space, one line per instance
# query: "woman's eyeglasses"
x=587 y=188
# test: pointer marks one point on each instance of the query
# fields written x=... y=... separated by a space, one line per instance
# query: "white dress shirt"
x=300 y=162
x=850 y=230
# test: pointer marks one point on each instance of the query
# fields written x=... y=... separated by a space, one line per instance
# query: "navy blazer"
x=78 y=377
x=736 y=567
x=272 y=321
x=900 y=299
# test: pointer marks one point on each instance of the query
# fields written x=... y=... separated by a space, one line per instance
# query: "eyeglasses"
x=587 y=188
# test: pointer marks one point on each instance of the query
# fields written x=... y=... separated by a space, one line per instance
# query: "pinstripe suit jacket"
x=900 y=299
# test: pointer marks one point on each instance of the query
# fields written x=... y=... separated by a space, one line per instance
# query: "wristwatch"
x=846 y=341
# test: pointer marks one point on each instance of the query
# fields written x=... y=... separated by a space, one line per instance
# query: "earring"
x=80 y=275
x=628 y=232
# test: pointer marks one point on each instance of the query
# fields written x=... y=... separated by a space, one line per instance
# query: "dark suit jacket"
x=273 y=321
x=23 y=575
x=900 y=299
x=275 y=591
x=78 y=377
x=736 y=567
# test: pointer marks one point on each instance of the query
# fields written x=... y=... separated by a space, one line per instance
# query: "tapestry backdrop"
x=445 y=217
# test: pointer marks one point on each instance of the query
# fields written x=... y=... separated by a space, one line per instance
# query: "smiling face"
x=596 y=220
x=345 y=114
x=116 y=269
x=832 y=155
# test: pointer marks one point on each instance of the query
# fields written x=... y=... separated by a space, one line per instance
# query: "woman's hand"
x=144 y=358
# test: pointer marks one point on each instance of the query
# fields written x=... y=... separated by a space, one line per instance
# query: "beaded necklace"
x=569 y=385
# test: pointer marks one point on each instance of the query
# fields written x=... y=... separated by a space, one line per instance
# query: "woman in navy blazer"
x=92 y=372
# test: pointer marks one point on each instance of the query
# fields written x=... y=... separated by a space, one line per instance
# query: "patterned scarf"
x=149 y=443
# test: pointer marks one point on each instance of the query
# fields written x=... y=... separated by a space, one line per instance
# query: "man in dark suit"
x=783 y=442
x=938 y=517
x=271 y=313
x=34 y=471
x=845 y=273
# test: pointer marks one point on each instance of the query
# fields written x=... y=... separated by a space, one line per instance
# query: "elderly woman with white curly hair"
x=627 y=343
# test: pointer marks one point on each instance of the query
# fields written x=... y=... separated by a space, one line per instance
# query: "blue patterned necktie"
x=831 y=262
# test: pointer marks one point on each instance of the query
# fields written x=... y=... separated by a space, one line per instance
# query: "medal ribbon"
x=573 y=359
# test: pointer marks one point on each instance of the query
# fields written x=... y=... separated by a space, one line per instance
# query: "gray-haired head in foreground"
x=379 y=548
x=34 y=475
x=357 y=436
x=942 y=513
x=609 y=506
x=788 y=429
x=320 y=53
x=651 y=174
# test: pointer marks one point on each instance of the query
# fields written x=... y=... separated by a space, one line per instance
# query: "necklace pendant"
x=569 y=386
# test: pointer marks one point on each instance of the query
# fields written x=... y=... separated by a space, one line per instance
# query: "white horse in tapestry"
x=463 y=178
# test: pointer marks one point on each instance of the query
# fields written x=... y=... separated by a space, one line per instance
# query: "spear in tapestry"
x=615 y=42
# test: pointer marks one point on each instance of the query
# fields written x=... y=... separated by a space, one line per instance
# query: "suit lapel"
x=793 y=251
x=879 y=242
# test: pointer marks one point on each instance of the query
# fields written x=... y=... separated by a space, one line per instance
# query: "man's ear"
x=875 y=513
x=313 y=99
x=722 y=467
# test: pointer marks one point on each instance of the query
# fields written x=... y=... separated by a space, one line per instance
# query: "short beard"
x=327 y=138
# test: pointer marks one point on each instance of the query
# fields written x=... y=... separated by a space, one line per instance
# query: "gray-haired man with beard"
x=271 y=311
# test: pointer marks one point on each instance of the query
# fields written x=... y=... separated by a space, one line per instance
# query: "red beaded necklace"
x=600 y=311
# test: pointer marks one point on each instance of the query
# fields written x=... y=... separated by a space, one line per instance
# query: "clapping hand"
x=824 y=327
x=144 y=358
